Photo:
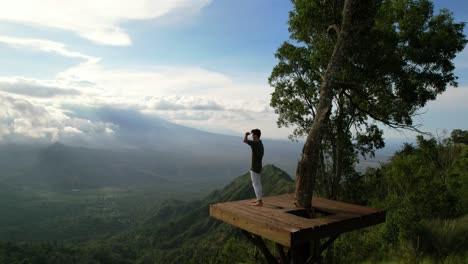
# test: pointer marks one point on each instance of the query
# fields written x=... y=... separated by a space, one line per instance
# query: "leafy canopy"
x=403 y=63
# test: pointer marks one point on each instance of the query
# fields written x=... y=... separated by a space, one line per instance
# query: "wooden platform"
x=276 y=220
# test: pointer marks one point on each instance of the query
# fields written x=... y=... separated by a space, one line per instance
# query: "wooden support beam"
x=284 y=258
x=260 y=244
x=328 y=243
x=318 y=249
x=289 y=255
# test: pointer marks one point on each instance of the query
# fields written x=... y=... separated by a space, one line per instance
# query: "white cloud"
x=44 y=46
x=166 y=88
x=190 y=96
x=34 y=88
x=96 y=20
x=72 y=130
x=20 y=117
x=452 y=100
x=23 y=118
x=183 y=103
x=156 y=81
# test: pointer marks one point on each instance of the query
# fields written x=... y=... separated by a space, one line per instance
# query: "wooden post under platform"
x=280 y=221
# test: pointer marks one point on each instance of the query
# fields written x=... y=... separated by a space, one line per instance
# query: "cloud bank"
x=44 y=46
x=65 y=106
x=99 y=21
x=20 y=119
x=33 y=88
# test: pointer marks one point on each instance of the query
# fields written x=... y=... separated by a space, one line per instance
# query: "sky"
x=198 y=63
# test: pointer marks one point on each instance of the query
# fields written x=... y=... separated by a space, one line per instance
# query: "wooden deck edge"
x=278 y=235
x=343 y=218
x=346 y=224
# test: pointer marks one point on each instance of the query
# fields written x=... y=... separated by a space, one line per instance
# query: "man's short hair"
x=256 y=132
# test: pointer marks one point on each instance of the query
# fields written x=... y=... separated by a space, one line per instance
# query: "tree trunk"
x=358 y=16
x=338 y=162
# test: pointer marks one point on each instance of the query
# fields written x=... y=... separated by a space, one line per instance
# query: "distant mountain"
x=65 y=167
x=15 y=159
x=77 y=168
x=143 y=150
x=226 y=156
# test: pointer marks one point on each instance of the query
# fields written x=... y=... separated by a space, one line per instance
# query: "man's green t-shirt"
x=257 y=155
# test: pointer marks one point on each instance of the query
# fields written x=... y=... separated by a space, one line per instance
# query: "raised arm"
x=245 y=137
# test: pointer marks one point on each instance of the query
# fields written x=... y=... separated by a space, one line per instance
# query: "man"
x=256 y=163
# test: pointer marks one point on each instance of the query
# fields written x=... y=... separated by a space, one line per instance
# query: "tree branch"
x=333 y=27
x=393 y=125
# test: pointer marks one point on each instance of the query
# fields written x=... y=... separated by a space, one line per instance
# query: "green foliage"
x=178 y=232
x=354 y=247
x=423 y=189
x=190 y=234
x=80 y=215
x=236 y=251
x=404 y=62
x=442 y=237
x=459 y=136
x=418 y=186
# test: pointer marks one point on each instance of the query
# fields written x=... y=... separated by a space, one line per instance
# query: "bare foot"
x=258 y=203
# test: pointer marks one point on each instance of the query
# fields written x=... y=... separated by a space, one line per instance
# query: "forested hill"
x=274 y=181
x=424 y=189
x=178 y=232
x=185 y=232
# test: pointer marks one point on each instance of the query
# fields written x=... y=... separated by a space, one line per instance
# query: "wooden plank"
x=341 y=206
x=270 y=217
x=280 y=217
x=287 y=201
x=339 y=224
x=280 y=201
x=304 y=235
x=252 y=225
x=285 y=220
x=272 y=221
x=242 y=211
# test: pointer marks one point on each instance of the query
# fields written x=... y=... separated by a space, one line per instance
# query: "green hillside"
x=423 y=190
x=274 y=181
x=189 y=232
x=178 y=232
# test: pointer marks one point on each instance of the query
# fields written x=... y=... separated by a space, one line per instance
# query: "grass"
x=442 y=237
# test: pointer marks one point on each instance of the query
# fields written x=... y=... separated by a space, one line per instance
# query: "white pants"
x=257 y=184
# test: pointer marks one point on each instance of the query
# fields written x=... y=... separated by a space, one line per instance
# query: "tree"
x=352 y=65
x=423 y=191
x=459 y=136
